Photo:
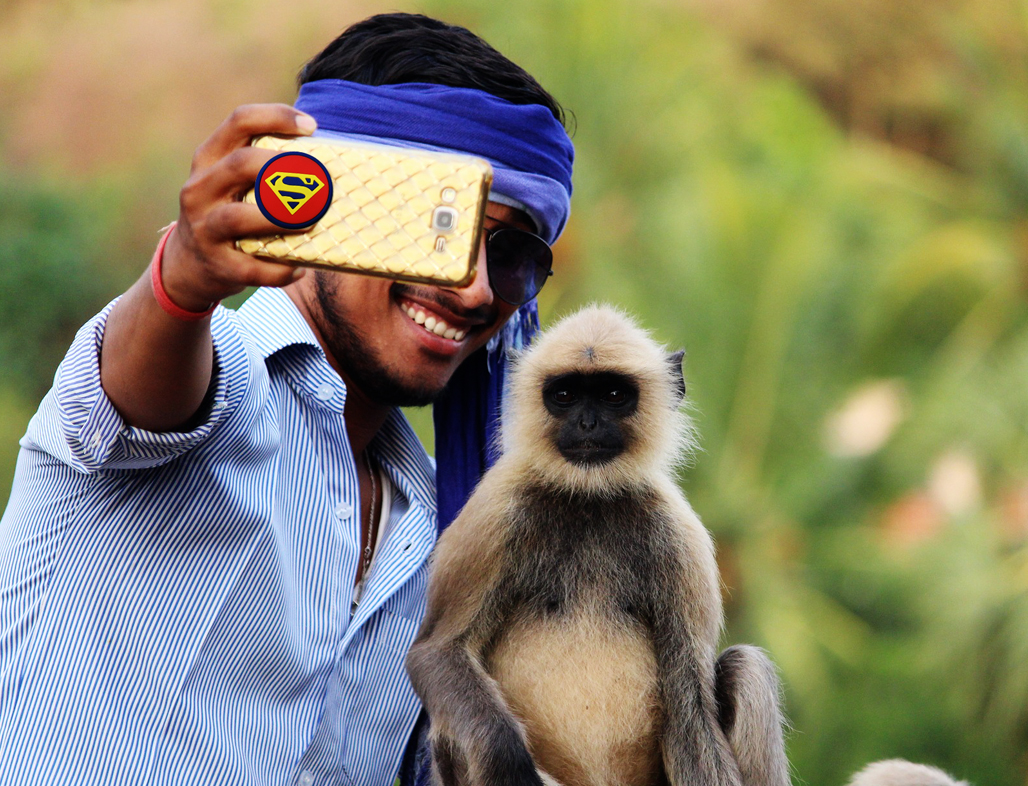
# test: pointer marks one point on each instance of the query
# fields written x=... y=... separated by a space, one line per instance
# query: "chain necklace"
x=366 y=557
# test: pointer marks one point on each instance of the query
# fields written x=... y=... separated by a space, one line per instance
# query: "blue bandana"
x=532 y=158
x=527 y=146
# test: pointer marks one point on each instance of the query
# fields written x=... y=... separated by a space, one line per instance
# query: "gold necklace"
x=366 y=562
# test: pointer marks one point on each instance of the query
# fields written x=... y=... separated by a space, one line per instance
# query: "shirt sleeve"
x=77 y=423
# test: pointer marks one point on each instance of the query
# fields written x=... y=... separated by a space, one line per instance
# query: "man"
x=214 y=555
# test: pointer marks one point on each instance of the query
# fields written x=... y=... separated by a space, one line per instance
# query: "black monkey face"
x=592 y=411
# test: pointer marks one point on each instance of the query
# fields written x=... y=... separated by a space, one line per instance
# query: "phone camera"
x=444 y=219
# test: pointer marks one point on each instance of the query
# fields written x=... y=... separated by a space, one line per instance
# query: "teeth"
x=435 y=325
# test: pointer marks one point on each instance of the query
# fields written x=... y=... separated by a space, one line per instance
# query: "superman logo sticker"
x=294 y=190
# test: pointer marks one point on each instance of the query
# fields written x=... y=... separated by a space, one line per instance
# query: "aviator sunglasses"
x=518 y=263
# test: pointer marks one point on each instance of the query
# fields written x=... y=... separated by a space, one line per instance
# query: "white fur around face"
x=597 y=339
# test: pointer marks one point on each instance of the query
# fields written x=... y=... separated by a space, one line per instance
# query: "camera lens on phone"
x=444 y=219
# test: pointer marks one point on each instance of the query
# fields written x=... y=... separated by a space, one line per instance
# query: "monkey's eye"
x=563 y=397
x=614 y=397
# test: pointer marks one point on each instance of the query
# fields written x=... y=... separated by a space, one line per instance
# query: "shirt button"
x=220 y=404
x=305 y=779
x=344 y=511
x=97 y=440
x=325 y=391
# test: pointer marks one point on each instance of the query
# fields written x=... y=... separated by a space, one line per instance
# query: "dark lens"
x=519 y=264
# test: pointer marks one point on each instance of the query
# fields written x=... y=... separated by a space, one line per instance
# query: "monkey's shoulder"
x=648 y=527
x=552 y=523
x=641 y=508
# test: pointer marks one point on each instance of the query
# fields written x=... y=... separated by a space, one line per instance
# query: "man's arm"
x=156 y=368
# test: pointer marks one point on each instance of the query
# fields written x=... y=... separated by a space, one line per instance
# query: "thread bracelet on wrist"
x=165 y=302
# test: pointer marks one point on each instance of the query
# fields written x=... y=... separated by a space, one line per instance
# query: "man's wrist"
x=164 y=300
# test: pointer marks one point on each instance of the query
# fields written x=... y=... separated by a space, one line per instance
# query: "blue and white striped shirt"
x=175 y=608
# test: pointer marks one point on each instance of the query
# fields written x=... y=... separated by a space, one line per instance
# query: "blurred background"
x=824 y=202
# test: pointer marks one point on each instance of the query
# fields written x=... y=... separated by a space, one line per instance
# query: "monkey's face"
x=594 y=405
x=593 y=414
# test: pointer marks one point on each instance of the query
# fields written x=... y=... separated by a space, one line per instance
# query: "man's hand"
x=201 y=263
x=155 y=368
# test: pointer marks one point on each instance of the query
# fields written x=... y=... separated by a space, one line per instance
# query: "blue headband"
x=529 y=149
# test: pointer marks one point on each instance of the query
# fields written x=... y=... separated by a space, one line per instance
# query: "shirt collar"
x=273 y=323
x=398 y=447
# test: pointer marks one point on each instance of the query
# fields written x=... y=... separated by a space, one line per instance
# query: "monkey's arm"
x=476 y=738
x=686 y=623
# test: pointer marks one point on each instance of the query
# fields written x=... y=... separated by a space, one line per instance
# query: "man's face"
x=384 y=337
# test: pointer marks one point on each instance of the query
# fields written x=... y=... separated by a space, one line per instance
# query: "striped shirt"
x=175 y=608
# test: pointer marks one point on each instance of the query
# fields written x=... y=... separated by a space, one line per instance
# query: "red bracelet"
x=163 y=300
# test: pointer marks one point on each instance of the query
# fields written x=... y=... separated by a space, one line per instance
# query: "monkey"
x=897 y=772
x=574 y=605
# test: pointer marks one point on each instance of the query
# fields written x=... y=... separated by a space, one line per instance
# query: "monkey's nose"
x=587 y=422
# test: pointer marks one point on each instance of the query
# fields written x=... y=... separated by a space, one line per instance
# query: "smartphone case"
x=409 y=215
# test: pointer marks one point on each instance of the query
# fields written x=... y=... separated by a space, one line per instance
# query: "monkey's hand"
x=476 y=740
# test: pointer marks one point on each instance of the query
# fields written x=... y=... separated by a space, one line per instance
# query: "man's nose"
x=480 y=291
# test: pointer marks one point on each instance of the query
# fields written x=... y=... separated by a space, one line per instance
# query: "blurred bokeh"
x=824 y=202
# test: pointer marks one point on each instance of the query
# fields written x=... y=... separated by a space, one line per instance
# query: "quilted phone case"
x=409 y=215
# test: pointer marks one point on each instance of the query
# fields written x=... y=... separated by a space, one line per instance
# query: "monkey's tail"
x=749 y=711
x=897 y=772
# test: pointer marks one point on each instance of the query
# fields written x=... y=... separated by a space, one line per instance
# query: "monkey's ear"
x=674 y=361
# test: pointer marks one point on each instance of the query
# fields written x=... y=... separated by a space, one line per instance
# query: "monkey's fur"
x=575 y=605
x=897 y=772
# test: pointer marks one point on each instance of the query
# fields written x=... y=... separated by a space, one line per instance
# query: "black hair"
x=390 y=49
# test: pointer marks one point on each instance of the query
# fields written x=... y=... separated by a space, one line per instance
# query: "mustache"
x=446 y=301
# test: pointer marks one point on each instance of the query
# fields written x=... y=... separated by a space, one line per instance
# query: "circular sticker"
x=293 y=190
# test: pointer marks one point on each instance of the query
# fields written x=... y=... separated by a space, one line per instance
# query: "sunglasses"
x=518 y=263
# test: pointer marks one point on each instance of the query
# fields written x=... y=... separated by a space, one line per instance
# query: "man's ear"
x=674 y=361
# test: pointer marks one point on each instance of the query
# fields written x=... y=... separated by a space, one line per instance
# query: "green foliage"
x=51 y=278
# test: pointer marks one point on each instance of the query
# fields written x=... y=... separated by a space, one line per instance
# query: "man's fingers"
x=231 y=271
x=232 y=220
x=223 y=226
x=225 y=179
x=249 y=121
x=252 y=272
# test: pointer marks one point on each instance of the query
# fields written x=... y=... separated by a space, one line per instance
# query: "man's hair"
x=390 y=49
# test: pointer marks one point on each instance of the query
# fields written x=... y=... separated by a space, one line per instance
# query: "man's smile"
x=431 y=321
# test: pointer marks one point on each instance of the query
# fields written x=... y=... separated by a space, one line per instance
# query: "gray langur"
x=575 y=604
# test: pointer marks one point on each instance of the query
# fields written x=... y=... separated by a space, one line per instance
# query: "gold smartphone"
x=410 y=215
